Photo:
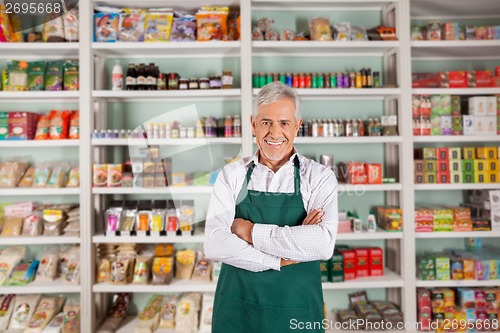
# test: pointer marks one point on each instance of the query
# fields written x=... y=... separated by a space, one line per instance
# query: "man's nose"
x=275 y=130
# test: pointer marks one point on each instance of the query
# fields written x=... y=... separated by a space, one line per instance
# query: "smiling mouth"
x=274 y=144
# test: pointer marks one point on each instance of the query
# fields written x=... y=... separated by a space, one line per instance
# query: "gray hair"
x=274 y=92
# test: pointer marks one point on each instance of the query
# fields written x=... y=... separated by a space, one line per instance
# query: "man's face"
x=275 y=129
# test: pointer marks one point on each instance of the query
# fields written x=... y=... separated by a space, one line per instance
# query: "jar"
x=204 y=83
x=227 y=80
x=183 y=84
x=183 y=133
x=190 y=132
x=173 y=81
x=215 y=82
x=193 y=83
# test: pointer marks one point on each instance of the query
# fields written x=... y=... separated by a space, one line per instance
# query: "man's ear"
x=252 y=121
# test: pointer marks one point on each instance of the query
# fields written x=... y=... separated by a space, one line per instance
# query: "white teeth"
x=274 y=143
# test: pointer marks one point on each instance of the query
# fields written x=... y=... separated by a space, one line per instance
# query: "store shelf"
x=389 y=280
x=39 y=240
x=348 y=140
x=175 y=4
x=458 y=283
x=323 y=47
x=365 y=235
x=456 y=91
x=62 y=50
x=165 y=142
x=320 y=4
x=353 y=93
x=458 y=234
x=38 y=191
x=445 y=187
x=56 y=287
x=359 y=189
x=452 y=9
x=38 y=143
x=177 y=286
x=174 y=49
x=23 y=96
x=455 y=138
x=455 y=49
x=208 y=94
x=197 y=238
x=154 y=190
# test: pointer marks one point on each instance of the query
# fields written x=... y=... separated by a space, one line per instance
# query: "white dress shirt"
x=318 y=186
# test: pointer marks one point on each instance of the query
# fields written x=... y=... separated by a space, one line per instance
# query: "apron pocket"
x=237 y=315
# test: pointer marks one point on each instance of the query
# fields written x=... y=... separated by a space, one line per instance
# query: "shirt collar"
x=255 y=157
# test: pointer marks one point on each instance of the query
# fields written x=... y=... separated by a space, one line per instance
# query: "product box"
x=478 y=106
x=456 y=106
x=495 y=221
x=376 y=261
x=443 y=153
x=469 y=272
x=430 y=166
x=443 y=177
x=484 y=79
x=419 y=178
x=492 y=165
x=491 y=153
x=491 y=109
x=480 y=165
x=437 y=299
x=442 y=261
x=435 y=105
x=425 y=106
x=481 y=177
x=416 y=126
x=425 y=262
x=415 y=106
x=468 y=125
x=362 y=266
x=466 y=298
x=457 y=268
x=455 y=153
x=443 y=166
x=390 y=218
x=493 y=177
x=426 y=274
x=468 y=164
x=430 y=178
x=449 y=300
x=456 y=125
x=418 y=166
x=456 y=79
x=429 y=153
x=426 y=80
x=493 y=269
x=480 y=224
x=4 y=125
x=373 y=172
x=22 y=125
x=324 y=267
x=337 y=267
x=446 y=125
x=468 y=178
x=482 y=268
x=353 y=173
x=450 y=30
x=455 y=165
x=350 y=268
x=442 y=274
x=425 y=125
x=424 y=222
x=462 y=225
x=485 y=125
x=435 y=125
x=445 y=105
x=480 y=299
x=423 y=298
x=456 y=177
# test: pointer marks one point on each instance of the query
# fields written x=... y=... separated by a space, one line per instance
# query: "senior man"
x=272 y=218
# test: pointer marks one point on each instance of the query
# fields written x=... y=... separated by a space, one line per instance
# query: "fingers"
x=285 y=262
x=314 y=217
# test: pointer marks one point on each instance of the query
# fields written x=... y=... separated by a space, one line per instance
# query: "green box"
x=4 y=125
x=435 y=105
x=429 y=153
x=442 y=274
x=442 y=262
x=456 y=106
x=425 y=263
x=435 y=125
x=445 y=105
x=456 y=125
x=426 y=275
x=468 y=166
x=337 y=267
x=468 y=178
x=324 y=266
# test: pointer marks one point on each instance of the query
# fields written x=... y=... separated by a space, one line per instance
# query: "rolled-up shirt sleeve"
x=305 y=242
x=220 y=243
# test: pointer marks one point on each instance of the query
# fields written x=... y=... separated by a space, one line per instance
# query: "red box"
x=443 y=166
x=362 y=267
x=353 y=173
x=423 y=298
x=443 y=153
x=22 y=125
x=418 y=166
x=426 y=80
x=425 y=106
x=376 y=261
x=374 y=173
x=457 y=79
x=350 y=264
x=416 y=125
x=415 y=108
x=425 y=125
x=443 y=177
x=419 y=178
x=484 y=79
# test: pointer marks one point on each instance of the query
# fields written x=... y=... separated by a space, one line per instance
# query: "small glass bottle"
x=228 y=127
x=348 y=128
x=341 y=128
x=227 y=80
x=355 y=127
x=378 y=128
x=320 y=128
x=175 y=130
x=331 y=128
x=361 y=127
x=326 y=128
x=314 y=132
x=371 y=131
x=199 y=133
x=237 y=126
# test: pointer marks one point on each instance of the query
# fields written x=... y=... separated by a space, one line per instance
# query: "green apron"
x=270 y=301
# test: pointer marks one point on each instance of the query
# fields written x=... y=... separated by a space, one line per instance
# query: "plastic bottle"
x=371 y=222
x=131 y=80
x=314 y=131
x=117 y=77
x=358 y=224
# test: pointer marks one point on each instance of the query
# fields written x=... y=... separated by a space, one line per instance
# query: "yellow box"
x=430 y=166
x=456 y=177
x=492 y=176
x=469 y=153
x=455 y=165
x=491 y=153
x=481 y=177
x=479 y=165
x=430 y=177
x=455 y=153
x=481 y=153
x=492 y=165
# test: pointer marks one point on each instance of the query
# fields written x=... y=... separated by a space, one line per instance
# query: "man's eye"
x=265 y=123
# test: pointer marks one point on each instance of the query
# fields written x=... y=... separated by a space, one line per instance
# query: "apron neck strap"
x=296 y=174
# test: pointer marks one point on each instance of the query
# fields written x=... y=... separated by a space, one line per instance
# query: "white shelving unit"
x=56 y=287
x=345 y=92
x=39 y=240
x=165 y=142
x=152 y=190
x=23 y=96
x=455 y=138
x=458 y=283
x=62 y=50
x=458 y=234
x=444 y=187
x=39 y=144
x=457 y=91
x=38 y=191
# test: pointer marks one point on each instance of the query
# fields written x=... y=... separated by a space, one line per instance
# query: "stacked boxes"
x=428 y=219
x=454 y=166
x=482 y=118
x=390 y=218
x=351 y=263
x=360 y=173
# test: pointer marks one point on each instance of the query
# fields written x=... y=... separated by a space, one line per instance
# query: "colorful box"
x=484 y=78
x=350 y=268
x=446 y=125
x=456 y=125
x=425 y=263
x=443 y=177
x=374 y=173
x=481 y=177
x=22 y=126
x=457 y=79
x=376 y=261
x=443 y=166
x=424 y=222
x=324 y=267
x=445 y=105
x=493 y=269
x=362 y=266
x=437 y=301
x=491 y=109
x=4 y=125
x=468 y=178
x=390 y=218
x=493 y=177
x=436 y=125
x=468 y=125
x=419 y=178
x=466 y=298
x=443 y=153
x=455 y=165
x=415 y=105
x=429 y=153
x=462 y=225
x=418 y=166
x=425 y=125
x=427 y=275
x=478 y=106
x=457 y=267
x=479 y=166
x=430 y=166
x=491 y=153
x=480 y=299
x=435 y=106
x=469 y=153
x=442 y=262
x=492 y=165
x=430 y=177
x=482 y=268
x=455 y=153
x=456 y=106
x=468 y=165
x=337 y=267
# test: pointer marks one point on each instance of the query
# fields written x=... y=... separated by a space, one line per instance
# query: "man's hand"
x=314 y=217
x=285 y=262
x=243 y=229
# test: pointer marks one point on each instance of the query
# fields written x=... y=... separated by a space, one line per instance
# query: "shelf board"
x=389 y=280
x=458 y=234
x=320 y=4
x=56 y=287
x=38 y=191
x=455 y=138
x=452 y=9
x=365 y=235
x=458 y=283
x=456 y=91
x=165 y=142
x=348 y=140
x=63 y=50
x=37 y=240
x=154 y=190
x=359 y=189
x=175 y=4
x=22 y=96
x=170 y=49
x=445 y=187
x=197 y=238
x=208 y=94
x=455 y=48
x=323 y=47
x=347 y=92
x=38 y=143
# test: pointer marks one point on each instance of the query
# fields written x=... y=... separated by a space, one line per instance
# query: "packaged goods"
x=390 y=218
x=122 y=270
x=54 y=220
x=41 y=175
x=48 y=268
x=55 y=325
x=185 y=261
x=319 y=28
x=4 y=125
x=158 y=26
x=211 y=24
x=71 y=76
x=100 y=178
x=71 y=317
x=106 y=27
x=142 y=269
x=71 y=25
x=186 y=317
x=58 y=176
x=54 y=76
x=342 y=31
x=117 y=313
x=183 y=30
x=42 y=128
x=23 y=273
x=11 y=172
x=24 y=308
x=47 y=309
x=6 y=308
x=149 y=318
x=203 y=269
x=74 y=177
x=36 y=75
x=22 y=125
x=12 y=226
x=74 y=126
x=115 y=175
x=17 y=72
x=32 y=225
x=131 y=26
x=53 y=29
